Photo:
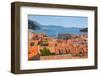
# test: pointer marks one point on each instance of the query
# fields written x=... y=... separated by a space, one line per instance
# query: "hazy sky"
x=66 y=21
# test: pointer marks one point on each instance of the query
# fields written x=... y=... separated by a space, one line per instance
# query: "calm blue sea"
x=53 y=31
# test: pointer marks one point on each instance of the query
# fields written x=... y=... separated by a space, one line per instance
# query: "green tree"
x=45 y=52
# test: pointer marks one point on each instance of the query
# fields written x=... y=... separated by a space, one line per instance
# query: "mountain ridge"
x=53 y=30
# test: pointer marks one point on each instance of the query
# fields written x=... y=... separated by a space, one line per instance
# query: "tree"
x=45 y=52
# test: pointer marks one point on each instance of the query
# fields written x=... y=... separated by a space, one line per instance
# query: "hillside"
x=33 y=25
x=84 y=30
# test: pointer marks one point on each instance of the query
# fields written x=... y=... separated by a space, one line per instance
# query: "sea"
x=53 y=31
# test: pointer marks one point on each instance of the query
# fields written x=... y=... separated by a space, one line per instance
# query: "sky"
x=66 y=21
